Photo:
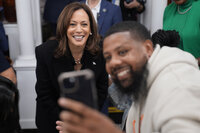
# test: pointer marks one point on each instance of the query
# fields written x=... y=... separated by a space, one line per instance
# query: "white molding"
x=28 y=124
x=26 y=80
x=37 y=30
x=21 y=64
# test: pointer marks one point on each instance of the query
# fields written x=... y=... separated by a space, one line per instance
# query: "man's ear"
x=148 y=44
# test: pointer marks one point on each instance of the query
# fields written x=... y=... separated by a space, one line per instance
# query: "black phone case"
x=79 y=86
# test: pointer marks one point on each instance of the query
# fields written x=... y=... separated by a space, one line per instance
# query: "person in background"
x=4 y=47
x=168 y=38
x=105 y=13
x=52 y=10
x=9 y=98
x=130 y=10
x=159 y=84
x=3 y=40
x=6 y=70
x=9 y=112
x=183 y=16
x=76 y=48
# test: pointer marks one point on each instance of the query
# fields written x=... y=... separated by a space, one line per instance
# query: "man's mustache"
x=115 y=69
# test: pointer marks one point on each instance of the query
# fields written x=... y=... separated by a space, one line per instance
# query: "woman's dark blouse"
x=47 y=89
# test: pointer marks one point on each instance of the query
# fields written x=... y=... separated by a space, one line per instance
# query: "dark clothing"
x=53 y=9
x=130 y=14
x=109 y=15
x=9 y=120
x=3 y=62
x=3 y=39
x=47 y=89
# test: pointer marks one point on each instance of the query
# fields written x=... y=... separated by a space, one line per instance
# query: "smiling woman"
x=78 y=33
x=76 y=48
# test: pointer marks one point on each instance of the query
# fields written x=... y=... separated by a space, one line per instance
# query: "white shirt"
x=95 y=10
x=116 y=2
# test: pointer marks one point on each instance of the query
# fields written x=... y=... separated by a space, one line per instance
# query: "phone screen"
x=80 y=86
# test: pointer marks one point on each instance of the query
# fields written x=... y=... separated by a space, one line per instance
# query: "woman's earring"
x=90 y=33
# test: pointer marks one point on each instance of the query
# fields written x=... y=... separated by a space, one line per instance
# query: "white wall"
x=153 y=15
x=27 y=104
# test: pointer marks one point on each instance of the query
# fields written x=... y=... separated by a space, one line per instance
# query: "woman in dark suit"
x=75 y=48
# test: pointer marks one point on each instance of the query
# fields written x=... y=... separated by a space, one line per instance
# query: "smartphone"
x=79 y=86
x=128 y=1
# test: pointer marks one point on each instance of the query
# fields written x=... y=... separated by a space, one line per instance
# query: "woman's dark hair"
x=9 y=112
x=169 y=38
x=63 y=24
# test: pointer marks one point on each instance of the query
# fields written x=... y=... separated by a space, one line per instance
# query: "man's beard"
x=138 y=87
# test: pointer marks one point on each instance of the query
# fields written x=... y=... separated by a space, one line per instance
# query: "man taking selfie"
x=161 y=82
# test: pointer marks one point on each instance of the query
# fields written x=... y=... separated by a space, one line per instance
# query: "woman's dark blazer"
x=47 y=71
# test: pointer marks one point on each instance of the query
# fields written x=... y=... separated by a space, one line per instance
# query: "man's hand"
x=83 y=119
x=10 y=74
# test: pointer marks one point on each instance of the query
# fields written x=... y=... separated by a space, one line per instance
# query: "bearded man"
x=160 y=87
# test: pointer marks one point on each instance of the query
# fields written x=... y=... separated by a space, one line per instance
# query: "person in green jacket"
x=184 y=17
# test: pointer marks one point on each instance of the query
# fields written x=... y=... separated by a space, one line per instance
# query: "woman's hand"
x=83 y=119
